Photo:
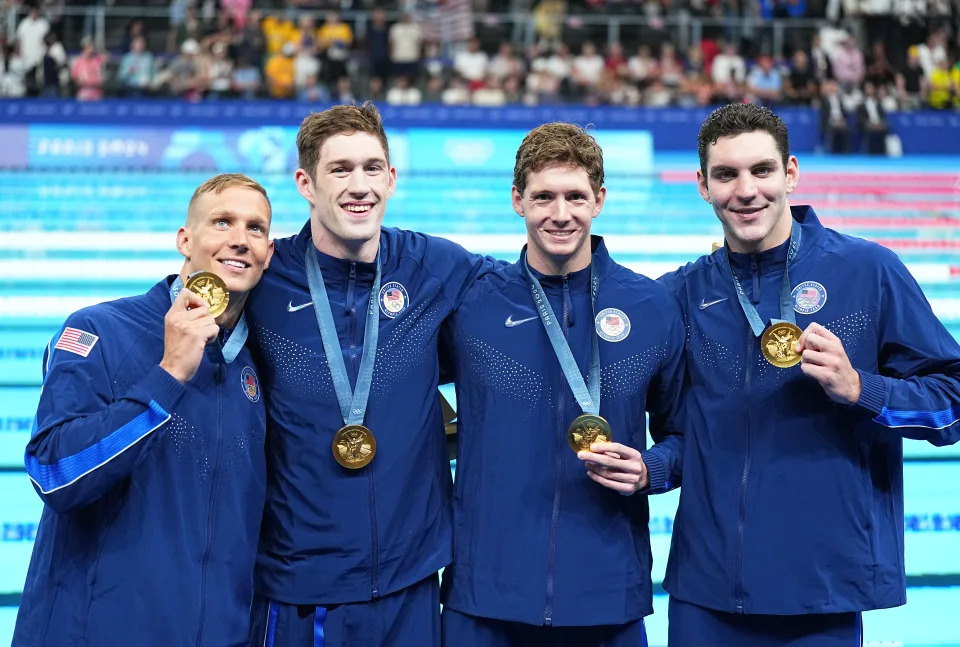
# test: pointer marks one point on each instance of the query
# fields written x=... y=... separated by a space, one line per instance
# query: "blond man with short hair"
x=148 y=450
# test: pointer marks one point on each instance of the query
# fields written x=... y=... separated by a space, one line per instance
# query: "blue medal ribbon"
x=229 y=351
x=353 y=404
x=786 y=299
x=586 y=393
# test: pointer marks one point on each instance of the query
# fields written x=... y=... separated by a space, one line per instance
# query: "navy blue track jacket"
x=153 y=490
x=330 y=534
x=536 y=540
x=792 y=503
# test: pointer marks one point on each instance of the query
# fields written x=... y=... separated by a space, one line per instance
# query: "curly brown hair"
x=318 y=127
x=558 y=143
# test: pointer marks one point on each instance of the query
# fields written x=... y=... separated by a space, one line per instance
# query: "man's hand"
x=187 y=328
x=824 y=359
x=616 y=466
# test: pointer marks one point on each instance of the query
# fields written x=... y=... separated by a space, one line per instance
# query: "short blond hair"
x=219 y=183
x=558 y=143
x=318 y=127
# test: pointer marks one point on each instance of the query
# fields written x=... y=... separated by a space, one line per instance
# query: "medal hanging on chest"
x=778 y=340
x=354 y=445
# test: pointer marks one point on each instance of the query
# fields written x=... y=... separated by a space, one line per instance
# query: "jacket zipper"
x=354 y=312
x=561 y=439
x=214 y=486
x=746 y=470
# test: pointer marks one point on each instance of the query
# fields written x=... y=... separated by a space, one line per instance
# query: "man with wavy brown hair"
x=557 y=358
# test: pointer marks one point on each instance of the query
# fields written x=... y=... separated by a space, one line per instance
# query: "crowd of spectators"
x=457 y=56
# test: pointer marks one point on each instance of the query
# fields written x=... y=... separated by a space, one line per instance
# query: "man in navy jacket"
x=148 y=452
x=551 y=545
x=358 y=515
x=811 y=356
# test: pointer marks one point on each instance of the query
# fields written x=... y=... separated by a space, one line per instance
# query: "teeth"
x=235 y=264
x=357 y=208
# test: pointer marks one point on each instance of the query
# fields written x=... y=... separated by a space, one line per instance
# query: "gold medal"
x=354 y=446
x=777 y=344
x=586 y=430
x=211 y=288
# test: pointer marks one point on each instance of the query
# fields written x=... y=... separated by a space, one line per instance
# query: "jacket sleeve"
x=86 y=438
x=917 y=390
x=664 y=460
x=457 y=268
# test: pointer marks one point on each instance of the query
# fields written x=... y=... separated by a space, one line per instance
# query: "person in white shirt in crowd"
x=728 y=63
x=13 y=73
x=219 y=71
x=457 y=93
x=406 y=46
x=505 y=63
x=30 y=34
x=491 y=94
x=306 y=64
x=642 y=66
x=933 y=51
x=471 y=64
x=403 y=94
x=587 y=70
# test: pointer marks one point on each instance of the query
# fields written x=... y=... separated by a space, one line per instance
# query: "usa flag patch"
x=74 y=340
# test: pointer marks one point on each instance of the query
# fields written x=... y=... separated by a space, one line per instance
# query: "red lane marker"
x=918 y=244
x=892 y=223
x=938 y=179
x=911 y=190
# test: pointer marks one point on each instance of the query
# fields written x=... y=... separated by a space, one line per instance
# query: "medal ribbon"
x=235 y=341
x=353 y=405
x=587 y=393
x=786 y=299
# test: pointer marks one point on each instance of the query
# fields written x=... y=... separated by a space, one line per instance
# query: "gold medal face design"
x=777 y=344
x=211 y=288
x=586 y=430
x=354 y=446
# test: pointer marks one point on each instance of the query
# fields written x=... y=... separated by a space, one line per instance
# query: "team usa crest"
x=612 y=324
x=809 y=297
x=248 y=380
x=393 y=299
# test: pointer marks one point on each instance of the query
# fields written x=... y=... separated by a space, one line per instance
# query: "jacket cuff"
x=873 y=392
x=656 y=470
x=159 y=386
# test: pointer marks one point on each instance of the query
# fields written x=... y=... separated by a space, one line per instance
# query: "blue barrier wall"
x=672 y=129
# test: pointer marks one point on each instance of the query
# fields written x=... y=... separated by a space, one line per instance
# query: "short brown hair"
x=218 y=183
x=558 y=143
x=318 y=127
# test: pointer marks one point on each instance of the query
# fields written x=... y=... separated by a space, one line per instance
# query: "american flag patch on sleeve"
x=77 y=341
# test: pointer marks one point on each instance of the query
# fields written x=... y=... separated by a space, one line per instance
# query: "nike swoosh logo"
x=706 y=304
x=510 y=323
x=293 y=308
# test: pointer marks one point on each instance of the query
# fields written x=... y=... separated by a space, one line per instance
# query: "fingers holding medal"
x=826 y=361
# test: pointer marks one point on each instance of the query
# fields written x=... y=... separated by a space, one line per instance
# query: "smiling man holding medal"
x=811 y=355
x=148 y=450
x=358 y=514
x=557 y=358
